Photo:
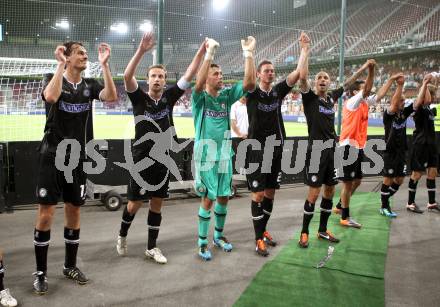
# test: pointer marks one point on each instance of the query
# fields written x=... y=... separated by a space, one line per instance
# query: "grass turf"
x=354 y=276
x=30 y=127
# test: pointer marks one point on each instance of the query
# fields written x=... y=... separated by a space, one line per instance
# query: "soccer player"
x=394 y=120
x=157 y=106
x=320 y=116
x=211 y=105
x=6 y=299
x=424 y=156
x=354 y=134
x=265 y=120
x=68 y=99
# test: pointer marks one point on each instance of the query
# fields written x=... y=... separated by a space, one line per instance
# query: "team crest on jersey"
x=275 y=94
x=42 y=192
x=164 y=100
x=223 y=106
x=201 y=189
x=255 y=183
x=314 y=178
x=86 y=92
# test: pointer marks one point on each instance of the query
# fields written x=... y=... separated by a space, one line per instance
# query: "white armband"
x=183 y=84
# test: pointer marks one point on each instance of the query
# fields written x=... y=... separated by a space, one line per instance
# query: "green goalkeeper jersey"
x=212 y=123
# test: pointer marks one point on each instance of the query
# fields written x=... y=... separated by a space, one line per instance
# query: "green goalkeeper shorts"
x=213 y=179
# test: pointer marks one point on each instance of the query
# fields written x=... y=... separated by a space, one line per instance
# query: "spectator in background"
x=239 y=119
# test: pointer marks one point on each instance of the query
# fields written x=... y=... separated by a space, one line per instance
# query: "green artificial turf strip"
x=354 y=276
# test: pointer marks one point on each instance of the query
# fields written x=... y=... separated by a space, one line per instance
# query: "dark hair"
x=160 y=66
x=264 y=62
x=213 y=65
x=69 y=47
x=355 y=86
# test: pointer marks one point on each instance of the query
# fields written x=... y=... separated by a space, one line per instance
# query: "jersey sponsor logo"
x=267 y=107
x=399 y=126
x=216 y=114
x=74 y=107
x=324 y=110
x=158 y=115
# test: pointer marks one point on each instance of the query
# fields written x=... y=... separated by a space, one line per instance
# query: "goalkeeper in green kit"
x=211 y=106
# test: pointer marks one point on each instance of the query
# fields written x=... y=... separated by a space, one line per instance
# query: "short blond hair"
x=160 y=66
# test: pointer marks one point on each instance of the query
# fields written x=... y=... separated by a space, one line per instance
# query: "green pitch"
x=30 y=127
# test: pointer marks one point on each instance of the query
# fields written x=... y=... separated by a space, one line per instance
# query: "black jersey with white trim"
x=320 y=114
x=264 y=112
x=424 y=134
x=395 y=128
x=157 y=113
x=71 y=116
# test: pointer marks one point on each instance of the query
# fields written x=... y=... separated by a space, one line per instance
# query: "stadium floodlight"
x=146 y=27
x=220 y=4
x=120 y=28
x=63 y=24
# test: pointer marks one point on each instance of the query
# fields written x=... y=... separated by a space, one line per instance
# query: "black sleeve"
x=137 y=97
x=96 y=88
x=250 y=97
x=386 y=117
x=282 y=89
x=408 y=110
x=336 y=93
x=307 y=97
x=173 y=94
x=46 y=81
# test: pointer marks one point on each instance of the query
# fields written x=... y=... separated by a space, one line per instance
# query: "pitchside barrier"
x=21 y=159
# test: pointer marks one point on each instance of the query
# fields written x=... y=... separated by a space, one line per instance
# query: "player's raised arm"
x=386 y=87
x=146 y=44
x=356 y=75
x=195 y=64
x=250 y=72
x=424 y=94
x=53 y=89
x=370 y=78
x=397 y=97
x=109 y=92
x=202 y=74
x=303 y=63
x=293 y=77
